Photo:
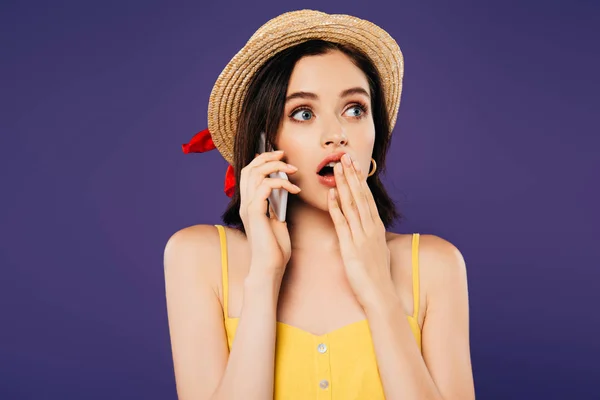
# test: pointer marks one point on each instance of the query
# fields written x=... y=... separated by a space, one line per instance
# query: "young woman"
x=327 y=304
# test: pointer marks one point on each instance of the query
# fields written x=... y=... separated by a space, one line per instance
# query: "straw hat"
x=287 y=30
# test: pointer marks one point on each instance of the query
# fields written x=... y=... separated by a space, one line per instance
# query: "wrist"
x=261 y=294
x=380 y=300
x=262 y=281
x=262 y=269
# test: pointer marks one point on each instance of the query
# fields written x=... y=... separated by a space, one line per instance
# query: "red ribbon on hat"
x=201 y=143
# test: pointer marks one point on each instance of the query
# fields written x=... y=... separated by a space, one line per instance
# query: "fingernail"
x=297 y=187
x=346 y=160
x=292 y=167
x=278 y=151
x=356 y=166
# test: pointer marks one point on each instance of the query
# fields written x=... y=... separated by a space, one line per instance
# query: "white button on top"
x=324 y=384
x=322 y=348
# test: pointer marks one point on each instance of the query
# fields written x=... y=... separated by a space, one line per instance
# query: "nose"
x=334 y=135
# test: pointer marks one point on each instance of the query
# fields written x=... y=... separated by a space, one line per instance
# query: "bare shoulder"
x=192 y=241
x=441 y=265
x=194 y=251
x=440 y=261
x=436 y=255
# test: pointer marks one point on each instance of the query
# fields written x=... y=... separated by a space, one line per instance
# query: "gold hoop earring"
x=374 y=167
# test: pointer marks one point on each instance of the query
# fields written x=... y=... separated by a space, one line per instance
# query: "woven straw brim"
x=288 y=30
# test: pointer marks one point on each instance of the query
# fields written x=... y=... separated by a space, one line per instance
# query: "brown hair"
x=262 y=110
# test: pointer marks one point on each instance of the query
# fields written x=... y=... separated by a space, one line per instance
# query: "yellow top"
x=338 y=365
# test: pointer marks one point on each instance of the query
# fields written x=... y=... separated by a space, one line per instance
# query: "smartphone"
x=278 y=197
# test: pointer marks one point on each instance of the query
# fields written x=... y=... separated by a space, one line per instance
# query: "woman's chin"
x=315 y=200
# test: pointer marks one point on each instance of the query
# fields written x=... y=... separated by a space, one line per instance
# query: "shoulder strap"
x=224 y=263
x=415 y=274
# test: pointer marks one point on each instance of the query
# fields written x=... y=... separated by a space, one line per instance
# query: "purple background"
x=496 y=150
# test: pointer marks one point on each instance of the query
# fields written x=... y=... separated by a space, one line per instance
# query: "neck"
x=311 y=229
x=315 y=247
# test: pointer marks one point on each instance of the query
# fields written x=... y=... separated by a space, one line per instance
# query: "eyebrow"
x=312 y=96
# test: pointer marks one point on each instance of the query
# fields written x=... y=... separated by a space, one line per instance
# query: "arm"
x=444 y=370
x=204 y=369
x=250 y=370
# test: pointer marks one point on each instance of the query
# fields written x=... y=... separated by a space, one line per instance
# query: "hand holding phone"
x=278 y=197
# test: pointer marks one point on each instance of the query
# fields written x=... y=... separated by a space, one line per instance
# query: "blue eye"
x=305 y=114
x=356 y=114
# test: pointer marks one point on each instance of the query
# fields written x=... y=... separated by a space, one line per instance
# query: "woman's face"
x=327 y=111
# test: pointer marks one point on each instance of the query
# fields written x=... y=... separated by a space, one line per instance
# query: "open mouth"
x=327 y=170
x=325 y=173
x=326 y=176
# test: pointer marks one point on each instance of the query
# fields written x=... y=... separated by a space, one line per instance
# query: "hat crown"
x=292 y=17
